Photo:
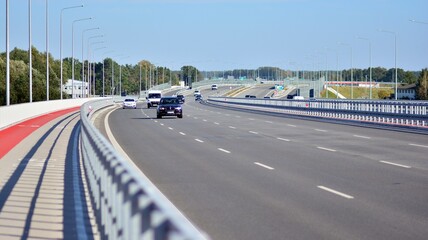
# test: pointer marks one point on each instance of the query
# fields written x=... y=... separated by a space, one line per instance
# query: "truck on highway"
x=153 y=98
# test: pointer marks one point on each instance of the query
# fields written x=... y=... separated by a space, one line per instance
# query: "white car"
x=129 y=103
x=196 y=93
x=214 y=87
x=298 y=98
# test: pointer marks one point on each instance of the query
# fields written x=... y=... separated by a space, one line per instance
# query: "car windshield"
x=169 y=101
x=154 y=95
x=129 y=100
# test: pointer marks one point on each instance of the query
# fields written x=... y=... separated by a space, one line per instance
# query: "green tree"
x=422 y=85
x=190 y=74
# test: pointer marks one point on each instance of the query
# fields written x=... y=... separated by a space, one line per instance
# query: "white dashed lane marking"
x=418 y=145
x=336 y=192
x=264 y=166
x=395 y=164
x=223 y=150
x=327 y=149
x=359 y=136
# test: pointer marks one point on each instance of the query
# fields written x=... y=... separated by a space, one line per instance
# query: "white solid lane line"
x=283 y=139
x=395 y=164
x=327 y=149
x=253 y=132
x=198 y=140
x=336 y=192
x=223 y=150
x=359 y=136
x=182 y=133
x=263 y=165
x=418 y=145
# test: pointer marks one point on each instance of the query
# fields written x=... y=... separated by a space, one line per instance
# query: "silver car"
x=129 y=103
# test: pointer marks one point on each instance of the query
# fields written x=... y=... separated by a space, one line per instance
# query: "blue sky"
x=228 y=34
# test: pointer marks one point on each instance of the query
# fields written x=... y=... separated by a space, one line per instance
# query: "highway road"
x=240 y=175
x=260 y=91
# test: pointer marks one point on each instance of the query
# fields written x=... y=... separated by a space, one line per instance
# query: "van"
x=153 y=98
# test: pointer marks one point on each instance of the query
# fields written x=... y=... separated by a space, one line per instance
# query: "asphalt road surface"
x=240 y=175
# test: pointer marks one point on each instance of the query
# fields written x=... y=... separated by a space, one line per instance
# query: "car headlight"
x=161 y=108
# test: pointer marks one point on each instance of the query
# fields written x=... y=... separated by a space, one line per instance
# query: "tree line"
x=144 y=74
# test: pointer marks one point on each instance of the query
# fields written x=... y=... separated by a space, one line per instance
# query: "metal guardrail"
x=399 y=113
x=126 y=205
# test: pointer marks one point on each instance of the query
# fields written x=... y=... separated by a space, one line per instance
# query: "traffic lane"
x=367 y=179
x=204 y=183
x=259 y=91
x=394 y=196
x=242 y=198
x=381 y=145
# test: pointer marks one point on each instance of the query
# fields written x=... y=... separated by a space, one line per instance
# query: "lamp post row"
x=47 y=53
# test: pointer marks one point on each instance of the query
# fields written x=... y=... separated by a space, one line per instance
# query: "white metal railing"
x=126 y=205
x=404 y=113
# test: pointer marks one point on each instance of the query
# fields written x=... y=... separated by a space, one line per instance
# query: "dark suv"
x=169 y=106
x=181 y=98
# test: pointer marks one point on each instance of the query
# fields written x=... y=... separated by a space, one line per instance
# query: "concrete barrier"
x=16 y=113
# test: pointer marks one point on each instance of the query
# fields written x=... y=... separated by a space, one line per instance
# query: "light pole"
x=395 y=59
x=112 y=74
x=60 y=39
x=30 y=60
x=89 y=57
x=415 y=21
x=95 y=76
x=120 y=76
x=47 y=50
x=370 y=63
x=104 y=70
x=352 y=70
x=88 y=54
x=7 y=56
x=72 y=53
x=83 y=63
